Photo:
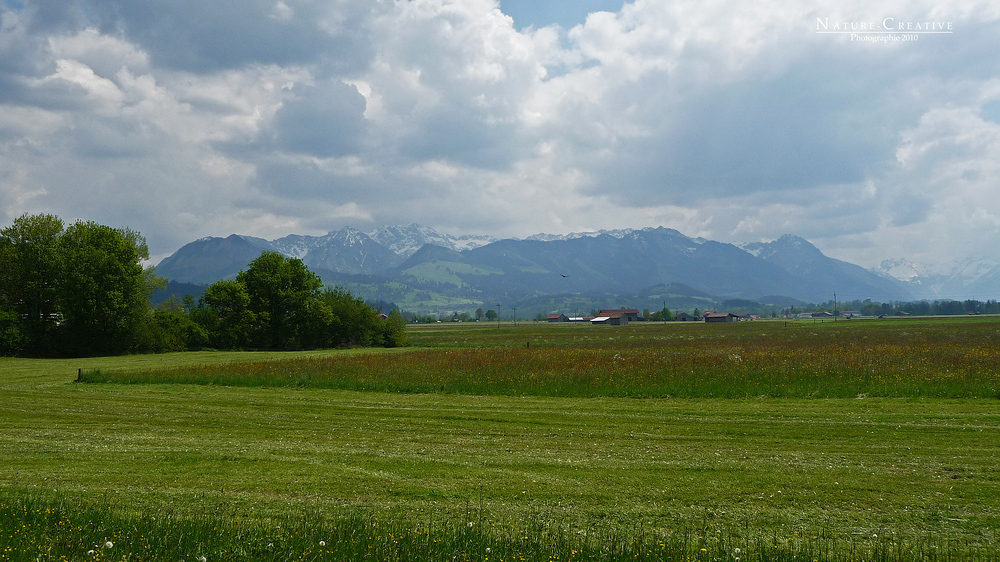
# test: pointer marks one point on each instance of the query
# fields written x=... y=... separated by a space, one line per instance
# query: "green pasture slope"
x=305 y=469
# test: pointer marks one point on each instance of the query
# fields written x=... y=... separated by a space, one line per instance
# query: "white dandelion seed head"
x=109 y=544
x=322 y=543
x=470 y=524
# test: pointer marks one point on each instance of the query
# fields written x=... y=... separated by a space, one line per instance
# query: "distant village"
x=622 y=316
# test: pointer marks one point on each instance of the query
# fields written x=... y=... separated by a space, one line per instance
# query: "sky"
x=870 y=128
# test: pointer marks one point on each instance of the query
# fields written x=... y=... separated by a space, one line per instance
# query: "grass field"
x=896 y=459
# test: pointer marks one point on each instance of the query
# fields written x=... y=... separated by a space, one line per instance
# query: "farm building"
x=559 y=317
x=631 y=314
x=612 y=318
x=720 y=317
x=685 y=317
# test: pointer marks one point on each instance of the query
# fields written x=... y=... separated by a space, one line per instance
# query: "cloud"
x=324 y=120
x=459 y=94
x=728 y=120
x=206 y=37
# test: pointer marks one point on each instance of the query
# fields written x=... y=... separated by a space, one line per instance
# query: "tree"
x=224 y=313
x=394 y=330
x=103 y=291
x=80 y=290
x=277 y=303
x=479 y=314
x=83 y=290
x=280 y=291
x=663 y=315
x=353 y=321
x=173 y=329
x=491 y=315
x=11 y=338
x=29 y=272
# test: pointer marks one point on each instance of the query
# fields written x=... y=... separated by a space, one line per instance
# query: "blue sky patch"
x=566 y=13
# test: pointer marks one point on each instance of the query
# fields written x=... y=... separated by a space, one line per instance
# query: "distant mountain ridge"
x=419 y=264
x=347 y=251
x=961 y=279
x=799 y=257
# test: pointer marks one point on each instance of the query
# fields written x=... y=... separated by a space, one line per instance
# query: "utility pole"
x=835 y=307
x=498 y=316
x=514 y=309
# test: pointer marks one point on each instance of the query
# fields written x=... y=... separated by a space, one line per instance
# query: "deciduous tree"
x=280 y=290
x=103 y=295
x=29 y=273
x=226 y=315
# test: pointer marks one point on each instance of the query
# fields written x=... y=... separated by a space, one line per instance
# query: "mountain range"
x=958 y=280
x=422 y=269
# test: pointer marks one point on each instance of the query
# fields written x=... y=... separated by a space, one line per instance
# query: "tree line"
x=82 y=290
x=937 y=307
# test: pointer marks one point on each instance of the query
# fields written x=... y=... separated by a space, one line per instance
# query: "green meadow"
x=848 y=440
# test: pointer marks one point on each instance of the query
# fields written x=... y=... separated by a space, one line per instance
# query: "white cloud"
x=104 y=53
x=282 y=12
x=102 y=91
x=952 y=161
x=16 y=195
x=723 y=119
x=29 y=124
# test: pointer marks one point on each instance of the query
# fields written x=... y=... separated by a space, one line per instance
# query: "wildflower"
x=91 y=552
x=202 y=559
x=737 y=551
x=109 y=544
x=470 y=524
x=322 y=543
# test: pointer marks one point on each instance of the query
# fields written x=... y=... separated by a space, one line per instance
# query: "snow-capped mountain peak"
x=902 y=269
x=405 y=240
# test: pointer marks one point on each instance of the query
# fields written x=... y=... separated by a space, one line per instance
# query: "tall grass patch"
x=889 y=359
